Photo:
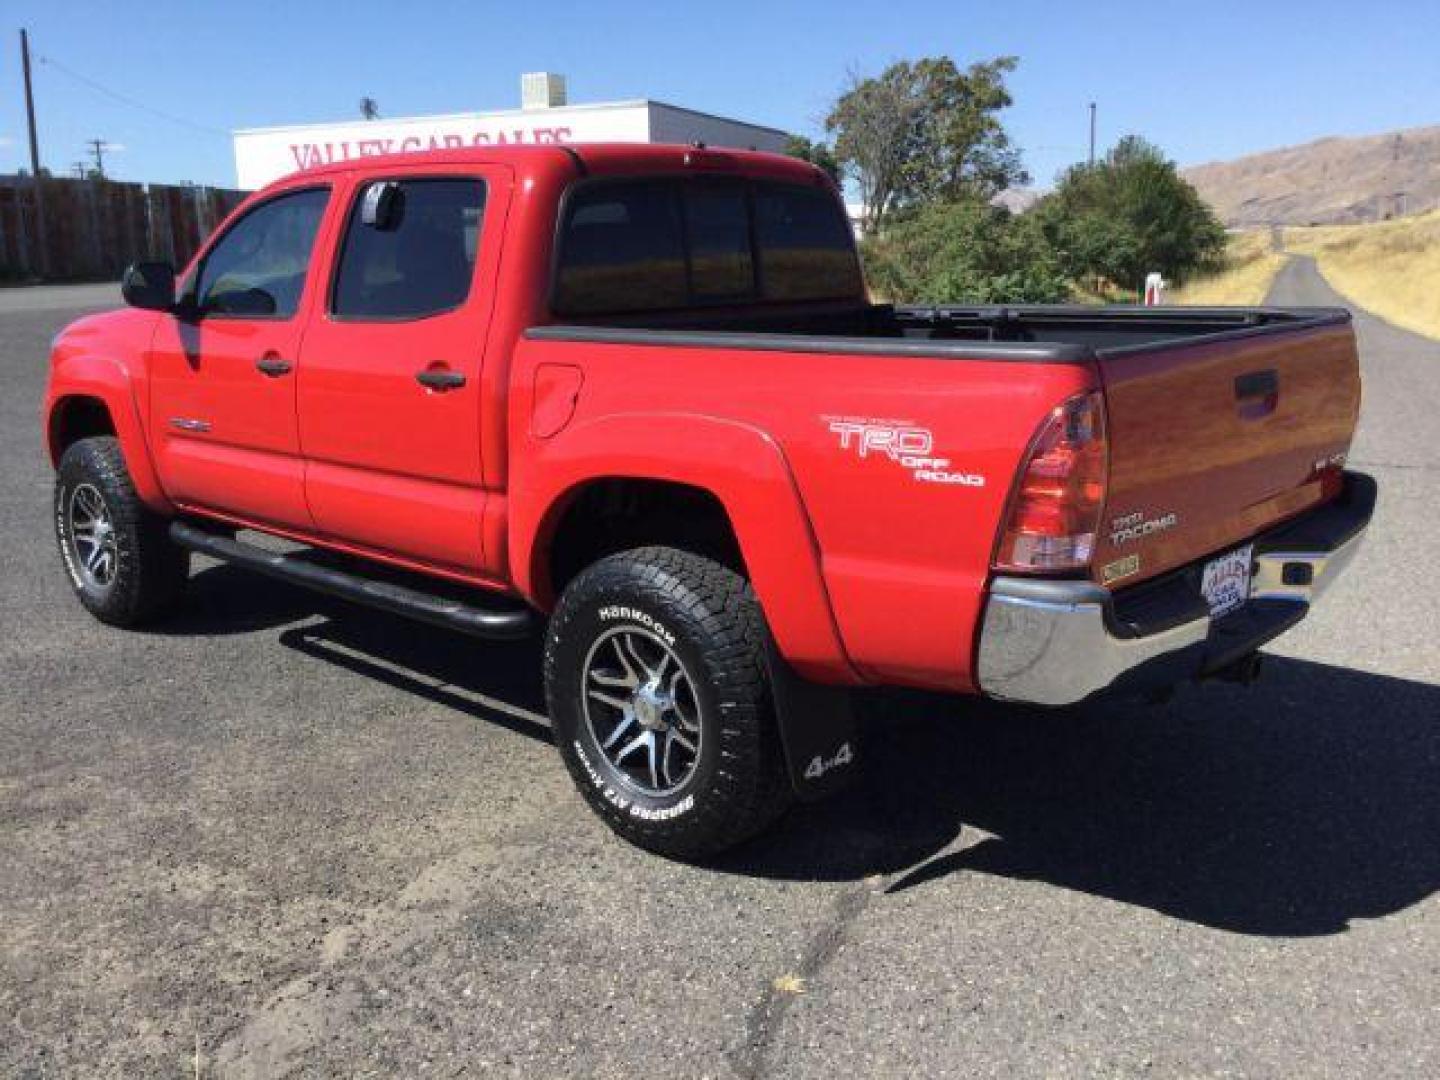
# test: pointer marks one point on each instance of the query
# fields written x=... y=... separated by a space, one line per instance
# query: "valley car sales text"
x=311 y=155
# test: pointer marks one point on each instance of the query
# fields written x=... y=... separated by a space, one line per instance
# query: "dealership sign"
x=267 y=154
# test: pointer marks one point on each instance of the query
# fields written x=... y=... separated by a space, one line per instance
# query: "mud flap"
x=818 y=731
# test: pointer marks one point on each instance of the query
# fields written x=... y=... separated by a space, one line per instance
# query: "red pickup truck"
x=638 y=395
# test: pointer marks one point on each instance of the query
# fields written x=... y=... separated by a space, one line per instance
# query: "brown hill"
x=1328 y=181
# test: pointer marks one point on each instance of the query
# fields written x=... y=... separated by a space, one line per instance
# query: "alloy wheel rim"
x=642 y=710
x=92 y=536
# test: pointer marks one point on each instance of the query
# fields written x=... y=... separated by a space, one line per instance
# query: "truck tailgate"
x=1211 y=442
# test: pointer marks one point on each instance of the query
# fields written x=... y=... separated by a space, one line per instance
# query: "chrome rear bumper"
x=1053 y=642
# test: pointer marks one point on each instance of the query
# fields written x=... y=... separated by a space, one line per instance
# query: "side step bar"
x=441 y=611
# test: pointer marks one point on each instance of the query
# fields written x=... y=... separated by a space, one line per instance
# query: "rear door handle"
x=272 y=366
x=440 y=379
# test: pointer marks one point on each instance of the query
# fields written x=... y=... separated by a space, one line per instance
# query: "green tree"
x=1128 y=215
x=925 y=132
x=960 y=252
x=817 y=153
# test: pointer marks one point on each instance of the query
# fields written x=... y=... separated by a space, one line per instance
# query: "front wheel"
x=658 y=690
x=121 y=562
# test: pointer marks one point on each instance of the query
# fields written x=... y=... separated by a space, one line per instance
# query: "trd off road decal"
x=904 y=444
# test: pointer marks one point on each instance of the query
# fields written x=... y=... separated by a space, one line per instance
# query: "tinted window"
x=807 y=251
x=416 y=256
x=622 y=250
x=651 y=245
x=717 y=229
x=258 y=267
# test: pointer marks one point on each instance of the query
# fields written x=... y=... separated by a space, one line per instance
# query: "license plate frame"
x=1225 y=580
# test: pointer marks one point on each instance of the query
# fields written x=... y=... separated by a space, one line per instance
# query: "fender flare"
x=742 y=466
x=107 y=381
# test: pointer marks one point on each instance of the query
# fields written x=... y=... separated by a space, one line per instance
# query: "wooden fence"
x=95 y=228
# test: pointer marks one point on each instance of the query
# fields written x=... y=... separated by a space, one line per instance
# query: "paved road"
x=58 y=298
x=295 y=836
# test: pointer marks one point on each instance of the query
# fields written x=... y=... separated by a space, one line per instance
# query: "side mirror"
x=149 y=285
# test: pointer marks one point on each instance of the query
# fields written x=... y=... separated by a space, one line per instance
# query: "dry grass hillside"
x=1250 y=267
x=1332 y=181
x=1391 y=268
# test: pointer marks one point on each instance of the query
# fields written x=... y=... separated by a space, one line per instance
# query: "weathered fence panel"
x=95 y=228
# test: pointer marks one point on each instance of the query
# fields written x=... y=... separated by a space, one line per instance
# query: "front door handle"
x=272 y=366
x=440 y=379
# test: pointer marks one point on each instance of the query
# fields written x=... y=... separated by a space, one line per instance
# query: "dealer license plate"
x=1225 y=583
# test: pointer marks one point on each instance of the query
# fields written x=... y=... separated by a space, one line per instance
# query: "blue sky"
x=1238 y=78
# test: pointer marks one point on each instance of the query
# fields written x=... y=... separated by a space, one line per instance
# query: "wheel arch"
x=605 y=515
x=90 y=396
x=735 y=474
x=75 y=417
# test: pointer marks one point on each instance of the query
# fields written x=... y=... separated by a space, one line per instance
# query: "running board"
x=437 y=610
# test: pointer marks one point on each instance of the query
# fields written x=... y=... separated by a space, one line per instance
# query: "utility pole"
x=41 y=248
x=79 y=167
x=97 y=151
x=1092 y=133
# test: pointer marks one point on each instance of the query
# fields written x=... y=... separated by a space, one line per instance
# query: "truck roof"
x=591 y=158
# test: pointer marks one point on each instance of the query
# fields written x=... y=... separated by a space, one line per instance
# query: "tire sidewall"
x=606 y=607
x=77 y=468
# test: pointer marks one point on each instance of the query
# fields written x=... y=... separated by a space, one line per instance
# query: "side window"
x=621 y=249
x=807 y=249
x=412 y=252
x=257 y=269
x=717 y=228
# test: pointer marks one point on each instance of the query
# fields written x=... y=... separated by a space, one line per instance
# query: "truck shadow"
x=1289 y=808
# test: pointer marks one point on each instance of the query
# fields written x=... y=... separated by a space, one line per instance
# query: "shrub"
x=964 y=252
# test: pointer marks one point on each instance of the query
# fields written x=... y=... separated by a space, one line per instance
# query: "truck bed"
x=1222 y=421
x=1057 y=333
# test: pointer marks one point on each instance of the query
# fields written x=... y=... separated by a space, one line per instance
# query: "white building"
x=265 y=154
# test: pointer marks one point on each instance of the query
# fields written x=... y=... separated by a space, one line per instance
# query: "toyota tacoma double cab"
x=637 y=399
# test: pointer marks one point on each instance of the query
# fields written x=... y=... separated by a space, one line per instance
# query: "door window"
x=409 y=249
x=257 y=269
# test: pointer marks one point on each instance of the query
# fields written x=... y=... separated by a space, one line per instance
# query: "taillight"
x=1055 y=509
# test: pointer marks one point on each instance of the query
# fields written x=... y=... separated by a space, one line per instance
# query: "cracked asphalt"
x=282 y=836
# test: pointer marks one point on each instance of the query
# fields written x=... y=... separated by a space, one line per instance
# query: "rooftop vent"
x=541 y=90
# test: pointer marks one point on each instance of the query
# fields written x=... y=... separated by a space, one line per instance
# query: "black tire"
x=709 y=618
x=144 y=572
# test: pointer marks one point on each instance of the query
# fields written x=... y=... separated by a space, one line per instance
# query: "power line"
x=124 y=100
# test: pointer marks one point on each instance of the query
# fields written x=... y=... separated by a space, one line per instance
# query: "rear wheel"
x=118 y=555
x=658 y=690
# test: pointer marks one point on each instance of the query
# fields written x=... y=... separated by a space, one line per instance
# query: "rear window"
x=807 y=251
x=717 y=228
x=663 y=244
x=622 y=250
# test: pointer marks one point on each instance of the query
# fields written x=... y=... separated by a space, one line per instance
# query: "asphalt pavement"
x=282 y=836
